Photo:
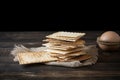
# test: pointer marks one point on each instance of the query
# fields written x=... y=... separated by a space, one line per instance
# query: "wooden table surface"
x=107 y=67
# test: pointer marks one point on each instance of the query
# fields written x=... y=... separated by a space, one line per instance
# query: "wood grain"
x=107 y=67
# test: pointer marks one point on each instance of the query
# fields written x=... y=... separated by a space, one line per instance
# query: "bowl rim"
x=107 y=43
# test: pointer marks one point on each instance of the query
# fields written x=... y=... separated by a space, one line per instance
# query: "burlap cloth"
x=92 y=50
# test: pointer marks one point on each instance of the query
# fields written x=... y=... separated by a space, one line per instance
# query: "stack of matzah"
x=60 y=46
x=66 y=46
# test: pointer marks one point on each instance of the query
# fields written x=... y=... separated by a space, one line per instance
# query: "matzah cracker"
x=78 y=58
x=67 y=36
x=63 y=51
x=76 y=43
x=61 y=46
x=35 y=57
x=81 y=58
x=78 y=53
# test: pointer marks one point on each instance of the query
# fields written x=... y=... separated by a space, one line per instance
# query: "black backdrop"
x=20 y=16
x=49 y=20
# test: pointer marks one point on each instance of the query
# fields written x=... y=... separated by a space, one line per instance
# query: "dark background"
x=53 y=18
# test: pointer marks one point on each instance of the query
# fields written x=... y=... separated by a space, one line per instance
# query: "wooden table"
x=107 y=67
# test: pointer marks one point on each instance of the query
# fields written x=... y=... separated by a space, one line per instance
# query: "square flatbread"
x=77 y=58
x=78 y=42
x=53 y=42
x=63 y=51
x=66 y=36
x=61 y=46
x=73 y=54
x=34 y=57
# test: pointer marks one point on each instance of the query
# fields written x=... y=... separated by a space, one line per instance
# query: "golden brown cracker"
x=55 y=41
x=60 y=46
x=78 y=58
x=81 y=58
x=63 y=51
x=34 y=57
x=66 y=36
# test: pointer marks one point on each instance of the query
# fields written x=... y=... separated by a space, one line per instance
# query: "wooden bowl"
x=108 y=46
